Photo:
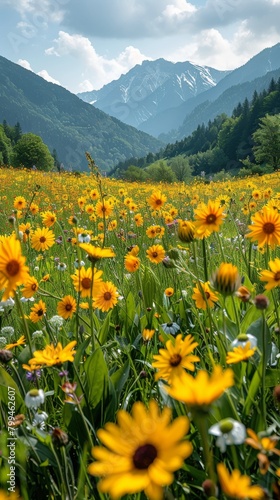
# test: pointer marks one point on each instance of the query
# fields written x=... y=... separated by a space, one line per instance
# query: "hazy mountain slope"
x=65 y=122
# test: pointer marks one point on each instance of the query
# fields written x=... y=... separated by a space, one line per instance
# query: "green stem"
x=201 y=423
x=263 y=367
x=204 y=260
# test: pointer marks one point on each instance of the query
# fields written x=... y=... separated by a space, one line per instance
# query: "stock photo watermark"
x=12 y=438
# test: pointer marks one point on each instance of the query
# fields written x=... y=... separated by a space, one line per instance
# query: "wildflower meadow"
x=139 y=338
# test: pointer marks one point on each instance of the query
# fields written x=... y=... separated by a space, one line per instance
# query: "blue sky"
x=84 y=44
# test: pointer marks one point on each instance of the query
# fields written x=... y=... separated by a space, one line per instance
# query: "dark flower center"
x=175 y=360
x=155 y=254
x=107 y=296
x=42 y=239
x=68 y=307
x=277 y=276
x=40 y=312
x=158 y=202
x=34 y=287
x=211 y=218
x=144 y=456
x=207 y=295
x=12 y=267
x=86 y=283
x=268 y=228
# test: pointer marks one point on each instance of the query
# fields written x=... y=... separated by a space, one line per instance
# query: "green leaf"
x=96 y=383
x=9 y=391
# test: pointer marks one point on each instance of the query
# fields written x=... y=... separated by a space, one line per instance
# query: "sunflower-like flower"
x=82 y=281
x=204 y=389
x=157 y=200
x=208 y=218
x=203 y=295
x=20 y=341
x=48 y=218
x=66 y=307
x=131 y=263
x=42 y=239
x=176 y=356
x=19 y=202
x=13 y=271
x=96 y=253
x=31 y=286
x=186 y=231
x=235 y=485
x=155 y=254
x=226 y=279
x=53 y=355
x=147 y=334
x=265 y=444
x=37 y=311
x=104 y=209
x=273 y=276
x=142 y=451
x=106 y=297
x=265 y=228
x=240 y=353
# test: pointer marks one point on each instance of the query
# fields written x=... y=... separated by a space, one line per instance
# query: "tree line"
x=247 y=142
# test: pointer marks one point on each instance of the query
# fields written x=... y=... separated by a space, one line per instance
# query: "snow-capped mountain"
x=152 y=87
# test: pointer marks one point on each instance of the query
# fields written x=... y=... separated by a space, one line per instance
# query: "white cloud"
x=38 y=12
x=99 y=70
x=85 y=86
x=25 y=64
x=43 y=73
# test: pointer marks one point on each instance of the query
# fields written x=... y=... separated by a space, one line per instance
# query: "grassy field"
x=139 y=338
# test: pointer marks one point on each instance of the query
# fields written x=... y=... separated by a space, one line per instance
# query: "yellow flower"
x=235 y=485
x=104 y=209
x=176 y=356
x=208 y=218
x=37 y=311
x=203 y=296
x=82 y=281
x=106 y=296
x=54 y=355
x=240 y=353
x=19 y=203
x=226 y=279
x=142 y=451
x=20 y=341
x=48 y=218
x=265 y=445
x=42 y=239
x=202 y=390
x=138 y=219
x=157 y=200
x=96 y=253
x=131 y=263
x=155 y=254
x=13 y=271
x=147 y=334
x=26 y=230
x=265 y=228
x=273 y=276
x=66 y=307
x=31 y=286
x=186 y=231
x=169 y=292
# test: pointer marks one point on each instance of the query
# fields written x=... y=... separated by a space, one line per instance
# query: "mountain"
x=208 y=104
x=65 y=122
x=151 y=88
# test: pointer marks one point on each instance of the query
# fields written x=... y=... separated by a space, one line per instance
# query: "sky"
x=85 y=44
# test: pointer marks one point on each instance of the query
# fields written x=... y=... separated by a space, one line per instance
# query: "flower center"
x=107 y=296
x=40 y=312
x=34 y=287
x=277 y=276
x=86 y=283
x=42 y=239
x=207 y=295
x=158 y=202
x=144 y=456
x=12 y=268
x=175 y=360
x=154 y=254
x=268 y=228
x=68 y=307
x=211 y=218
